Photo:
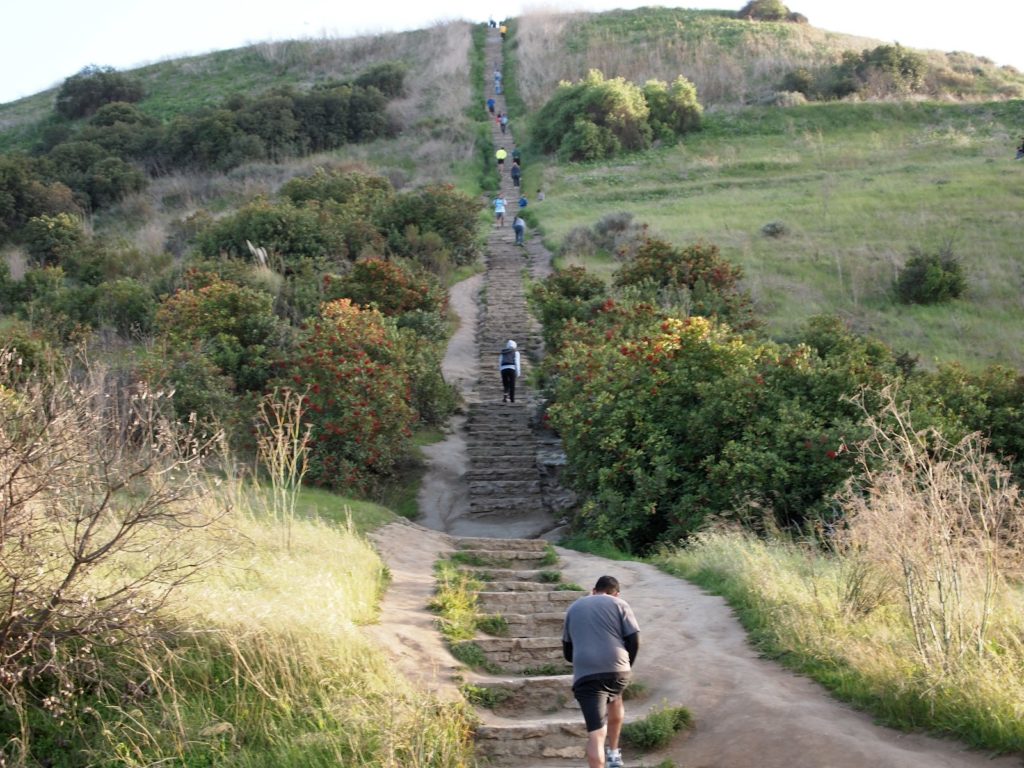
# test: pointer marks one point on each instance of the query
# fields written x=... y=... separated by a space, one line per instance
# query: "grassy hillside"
x=730 y=60
x=858 y=186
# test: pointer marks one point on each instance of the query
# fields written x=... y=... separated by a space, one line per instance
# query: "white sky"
x=45 y=41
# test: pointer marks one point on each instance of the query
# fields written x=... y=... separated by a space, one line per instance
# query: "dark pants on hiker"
x=508 y=383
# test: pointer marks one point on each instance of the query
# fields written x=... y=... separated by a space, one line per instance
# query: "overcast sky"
x=45 y=41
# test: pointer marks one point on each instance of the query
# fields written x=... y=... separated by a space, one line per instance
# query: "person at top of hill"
x=601 y=639
x=490 y=105
x=503 y=29
x=508 y=366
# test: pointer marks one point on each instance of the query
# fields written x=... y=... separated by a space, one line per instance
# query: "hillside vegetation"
x=729 y=59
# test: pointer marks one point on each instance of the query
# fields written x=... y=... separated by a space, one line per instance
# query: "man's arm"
x=632 y=643
x=567 y=650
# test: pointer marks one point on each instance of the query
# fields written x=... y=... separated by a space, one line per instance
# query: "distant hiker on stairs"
x=508 y=365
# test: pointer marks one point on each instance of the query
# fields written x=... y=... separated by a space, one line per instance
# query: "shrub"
x=357 y=396
x=294 y=234
x=388 y=78
x=764 y=10
x=656 y=730
x=674 y=110
x=233 y=325
x=775 y=229
x=930 y=278
x=439 y=209
x=105 y=496
x=358 y=193
x=24 y=194
x=52 y=240
x=711 y=281
x=390 y=287
x=127 y=305
x=84 y=93
x=593 y=119
x=567 y=294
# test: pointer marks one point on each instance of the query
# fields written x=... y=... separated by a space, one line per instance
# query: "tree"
x=101 y=496
x=84 y=93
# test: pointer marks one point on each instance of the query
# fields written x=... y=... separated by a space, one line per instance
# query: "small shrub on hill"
x=84 y=93
x=52 y=240
x=390 y=287
x=388 y=78
x=234 y=326
x=931 y=278
x=441 y=210
x=674 y=109
x=764 y=10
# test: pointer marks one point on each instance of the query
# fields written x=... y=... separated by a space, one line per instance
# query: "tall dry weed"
x=942 y=520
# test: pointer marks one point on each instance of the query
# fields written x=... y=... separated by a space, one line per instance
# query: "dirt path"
x=749 y=712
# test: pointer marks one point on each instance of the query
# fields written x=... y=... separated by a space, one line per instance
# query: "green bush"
x=25 y=192
x=930 y=278
x=393 y=288
x=53 y=240
x=126 y=304
x=234 y=326
x=388 y=78
x=657 y=729
x=294 y=234
x=439 y=209
x=593 y=119
x=764 y=10
x=674 y=110
x=349 y=364
x=84 y=93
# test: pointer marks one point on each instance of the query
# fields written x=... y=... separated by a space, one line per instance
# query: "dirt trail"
x=749 y=712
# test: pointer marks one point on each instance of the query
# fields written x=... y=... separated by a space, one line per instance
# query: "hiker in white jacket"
x=508 y=364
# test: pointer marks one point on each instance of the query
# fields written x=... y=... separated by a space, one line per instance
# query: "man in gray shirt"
x=601 y=639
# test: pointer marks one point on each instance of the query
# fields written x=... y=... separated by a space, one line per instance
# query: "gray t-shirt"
x=596 y=625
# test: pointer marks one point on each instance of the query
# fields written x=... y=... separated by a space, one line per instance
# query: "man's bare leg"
x=616 y=716
x=595 y=747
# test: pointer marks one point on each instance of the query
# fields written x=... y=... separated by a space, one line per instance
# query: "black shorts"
x=593 y=693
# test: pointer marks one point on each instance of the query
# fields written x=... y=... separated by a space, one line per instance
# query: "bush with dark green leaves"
x=84 y=93
x=674 y=109
x=593 y=119
x=126 y=305
x=440 y=210
x=53 y=240
x=931 y=278
x=234 y=326
x=286 y=231
x=26 y=190
x=388 y=78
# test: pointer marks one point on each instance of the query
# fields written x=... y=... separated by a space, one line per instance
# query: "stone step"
x=488 y=544
x=498 y=471
x=506 y=487
x=508 y=559
x=491 y=506
x=504 y=575
x=514 y=743
x=527 y=696
x=536 y=655
x=533 y=625
x=522 y=603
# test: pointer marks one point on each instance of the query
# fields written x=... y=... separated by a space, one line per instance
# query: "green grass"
x=488 y=698
x=858 y=186
x=657 y=728
x=605 y=549
x=790 y=598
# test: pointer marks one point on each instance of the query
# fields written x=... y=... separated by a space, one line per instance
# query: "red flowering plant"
x=358 y=395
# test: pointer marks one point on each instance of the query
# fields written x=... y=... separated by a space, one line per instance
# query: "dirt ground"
x=749 y=712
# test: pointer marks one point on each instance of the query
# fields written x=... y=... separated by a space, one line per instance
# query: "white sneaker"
x=613 y=758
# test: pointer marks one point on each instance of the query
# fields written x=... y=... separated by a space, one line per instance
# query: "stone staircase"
x=522 y=687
